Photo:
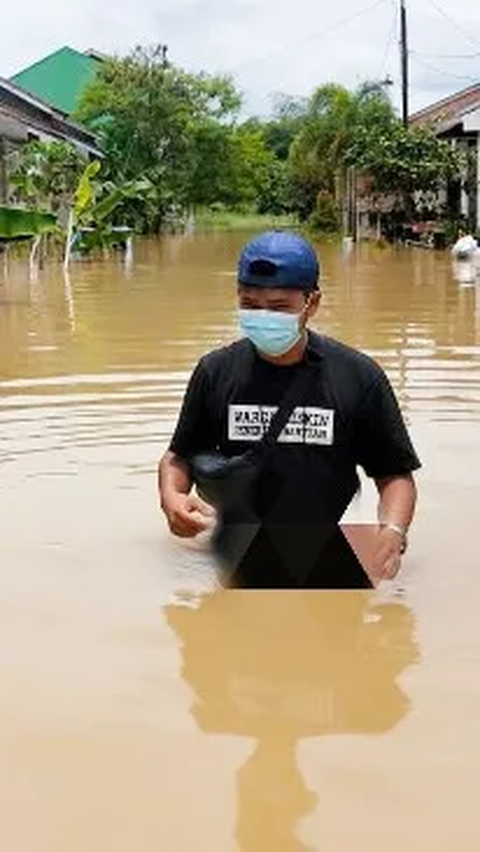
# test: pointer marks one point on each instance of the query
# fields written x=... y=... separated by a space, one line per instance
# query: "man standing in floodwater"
x=347 y=416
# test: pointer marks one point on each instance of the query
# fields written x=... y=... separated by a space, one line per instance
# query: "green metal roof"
x=60 y=78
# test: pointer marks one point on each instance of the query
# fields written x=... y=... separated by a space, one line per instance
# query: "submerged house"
x=457 y=119
x=24 y=118
x=38 y=104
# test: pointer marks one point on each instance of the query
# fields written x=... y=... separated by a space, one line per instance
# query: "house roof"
x=450 y=111
x=60 y=78
x=20 y=108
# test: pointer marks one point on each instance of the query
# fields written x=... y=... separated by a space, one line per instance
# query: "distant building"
x=23 y=118
x=457 y=118
x=38 y=104
x=60 y=78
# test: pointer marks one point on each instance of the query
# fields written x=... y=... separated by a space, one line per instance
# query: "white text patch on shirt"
x=306 y=425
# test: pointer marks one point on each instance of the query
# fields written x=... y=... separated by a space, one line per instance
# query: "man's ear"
x=314 y=303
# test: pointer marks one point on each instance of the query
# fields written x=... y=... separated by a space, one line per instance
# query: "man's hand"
x=187 y=515
x=398 y=496
x=387 y=556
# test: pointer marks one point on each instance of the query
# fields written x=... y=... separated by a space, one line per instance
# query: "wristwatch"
x=400 y=530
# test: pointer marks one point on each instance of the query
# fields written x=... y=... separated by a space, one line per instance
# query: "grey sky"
x=268 y=45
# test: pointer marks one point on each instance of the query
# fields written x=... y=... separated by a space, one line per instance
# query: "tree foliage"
x=405 y=160
x=333 y=120
x=340 y=129
x=46 y=175
x=176 y=129
x=54 y=177
x=289 y=115
x=174 y=141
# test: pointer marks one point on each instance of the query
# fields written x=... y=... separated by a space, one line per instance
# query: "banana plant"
x=83 y=199
x=94 y=204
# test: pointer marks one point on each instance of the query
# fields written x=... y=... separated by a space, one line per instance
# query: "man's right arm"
x=186 y=514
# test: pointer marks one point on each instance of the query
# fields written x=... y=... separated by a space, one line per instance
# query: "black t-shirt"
x=349 y=417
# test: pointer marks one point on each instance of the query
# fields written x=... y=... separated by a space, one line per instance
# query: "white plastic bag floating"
x=465 y=247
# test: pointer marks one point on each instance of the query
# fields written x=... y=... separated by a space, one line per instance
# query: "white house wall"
x=471 y=122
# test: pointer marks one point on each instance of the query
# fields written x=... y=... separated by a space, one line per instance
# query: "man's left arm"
x=396 y=509
x=387 y=455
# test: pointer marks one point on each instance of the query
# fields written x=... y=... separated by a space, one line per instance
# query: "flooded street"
x=141 y=708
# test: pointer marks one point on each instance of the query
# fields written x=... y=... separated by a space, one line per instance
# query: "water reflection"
x=279 y=667
x=69 y=299
x=464 y=271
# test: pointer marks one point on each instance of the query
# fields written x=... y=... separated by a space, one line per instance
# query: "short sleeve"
x=195 y=430
x=383 y=445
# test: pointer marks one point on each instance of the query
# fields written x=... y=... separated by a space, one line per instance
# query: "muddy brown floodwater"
x=141 y=708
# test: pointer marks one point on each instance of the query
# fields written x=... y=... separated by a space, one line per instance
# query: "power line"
x=420 y=61
x=452 y=55
x=459 y=27
x=404 y=60
x=313 y=36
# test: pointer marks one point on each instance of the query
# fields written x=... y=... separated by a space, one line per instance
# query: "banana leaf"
x=104 y=208
x=17 y=224
x=85 y=194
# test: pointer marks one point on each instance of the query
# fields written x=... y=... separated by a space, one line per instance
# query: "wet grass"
x=232 y=220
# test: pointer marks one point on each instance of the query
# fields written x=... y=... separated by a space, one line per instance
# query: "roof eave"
x=53 y=114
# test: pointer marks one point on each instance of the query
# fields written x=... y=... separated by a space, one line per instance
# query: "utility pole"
x=404 y=58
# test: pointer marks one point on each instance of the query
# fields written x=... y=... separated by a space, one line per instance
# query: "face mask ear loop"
x=306 y=307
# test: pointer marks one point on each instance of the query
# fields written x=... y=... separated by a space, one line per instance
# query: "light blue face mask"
x=271 y=332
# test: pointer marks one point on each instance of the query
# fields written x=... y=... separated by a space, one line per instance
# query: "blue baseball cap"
x=279 y=259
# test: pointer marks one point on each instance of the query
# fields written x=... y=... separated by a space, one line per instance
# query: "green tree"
x=257 y=175
x=251 y=166
x=405 y=161
x=155 y=121
x=232 y=163
x=333 y=119
x=289 y=115
x=275 y=195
